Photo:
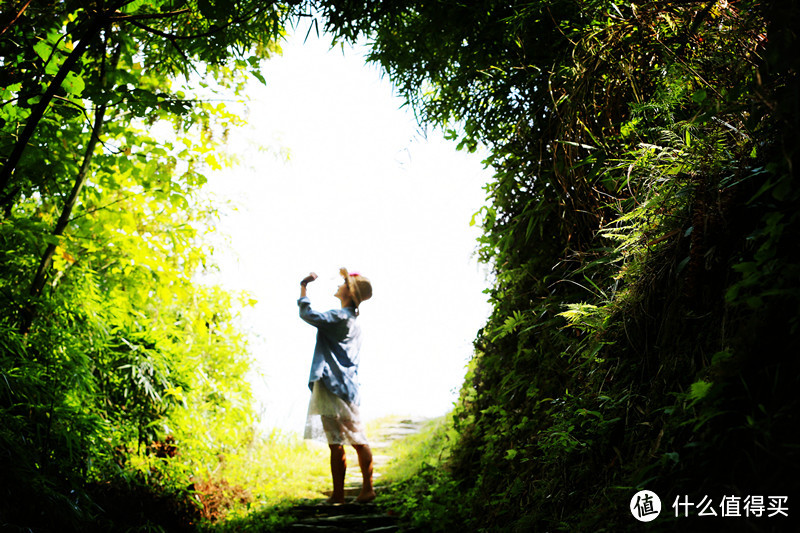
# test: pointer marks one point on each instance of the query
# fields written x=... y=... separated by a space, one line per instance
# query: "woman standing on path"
x=333 y=409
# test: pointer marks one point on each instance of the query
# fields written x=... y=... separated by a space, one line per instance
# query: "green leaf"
x=257 y=75
x=699 y=390
x=73 y=84
x=52 y=239
x=43 y=50
x=699 y=96
x=721 y=357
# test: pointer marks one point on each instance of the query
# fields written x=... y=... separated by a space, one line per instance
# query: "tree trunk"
x=66 y=212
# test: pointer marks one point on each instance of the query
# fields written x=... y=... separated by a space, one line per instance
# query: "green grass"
x=275 y=472
x=428 y=447
x=280 y=470
x=421 y=490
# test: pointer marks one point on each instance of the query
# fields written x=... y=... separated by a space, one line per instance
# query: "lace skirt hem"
x=333 y=420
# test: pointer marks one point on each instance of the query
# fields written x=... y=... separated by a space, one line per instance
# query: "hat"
x=360 y=287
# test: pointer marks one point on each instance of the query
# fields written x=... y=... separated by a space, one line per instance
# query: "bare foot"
x=366 y=497
x=334 y=501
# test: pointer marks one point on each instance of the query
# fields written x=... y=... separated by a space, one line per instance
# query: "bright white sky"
x=361 y=188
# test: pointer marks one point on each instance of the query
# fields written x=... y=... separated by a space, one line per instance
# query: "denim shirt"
x=336 y=353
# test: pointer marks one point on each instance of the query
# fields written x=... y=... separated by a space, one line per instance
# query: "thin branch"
x=75 y=104
x=100 y=208
x=208 y=33
x=3 y=104
x=54 y=50
x=110 y=148
x=171 y=38
x=147 y=16
x=17 y=16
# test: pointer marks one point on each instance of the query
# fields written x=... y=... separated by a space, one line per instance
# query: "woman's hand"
x=308 y=279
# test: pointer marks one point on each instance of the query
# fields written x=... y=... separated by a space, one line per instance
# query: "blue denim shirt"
x=336 y=353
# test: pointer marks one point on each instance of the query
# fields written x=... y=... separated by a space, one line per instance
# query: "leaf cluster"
x=123 y=375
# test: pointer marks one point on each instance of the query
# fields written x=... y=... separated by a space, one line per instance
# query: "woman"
x=333 y=409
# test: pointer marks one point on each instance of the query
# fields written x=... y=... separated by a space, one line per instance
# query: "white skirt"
x=333 y=420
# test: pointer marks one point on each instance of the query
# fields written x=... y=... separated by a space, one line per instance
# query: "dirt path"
x=316 y=516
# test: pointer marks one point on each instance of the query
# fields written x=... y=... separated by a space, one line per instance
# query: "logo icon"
x=645 y=505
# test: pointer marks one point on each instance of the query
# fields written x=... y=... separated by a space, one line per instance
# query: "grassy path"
x=313 y=515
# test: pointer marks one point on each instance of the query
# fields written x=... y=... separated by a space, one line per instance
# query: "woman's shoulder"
x=340 y=315
x=345 y=313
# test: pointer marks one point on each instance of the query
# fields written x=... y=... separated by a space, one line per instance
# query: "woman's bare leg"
x=365 y=462
x=338 y=469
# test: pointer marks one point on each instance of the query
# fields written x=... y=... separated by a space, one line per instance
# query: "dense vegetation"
x=122 y=374
x=642 y=229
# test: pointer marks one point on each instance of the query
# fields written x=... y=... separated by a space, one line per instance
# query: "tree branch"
x=66 y=211
x=100 y=208
x=147 y=16
x=17 y=16
x=171 y=38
